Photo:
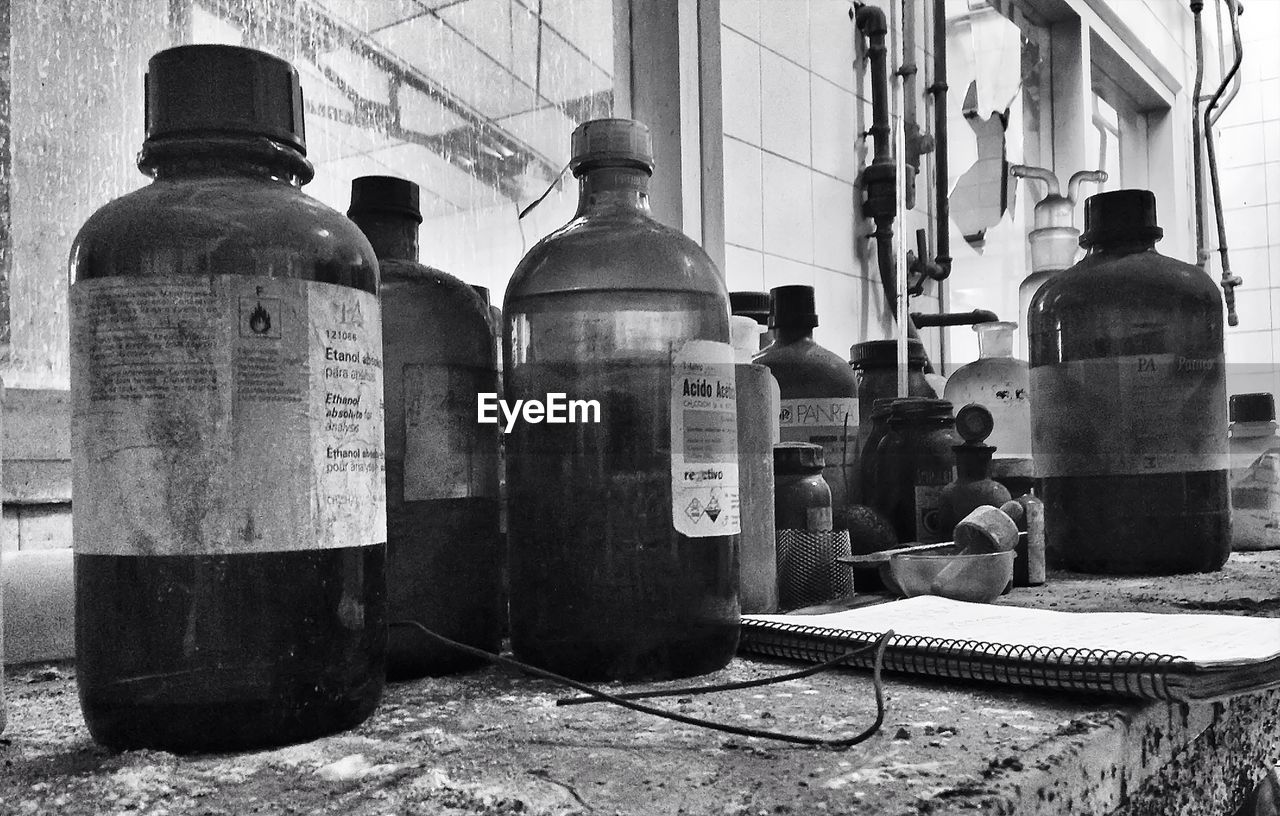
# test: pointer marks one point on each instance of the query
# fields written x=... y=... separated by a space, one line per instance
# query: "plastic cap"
x=1252 y=407
x=483 y=292
x=792 y=307
x=623 y=142
x=974 y=423
x=1120 y=216
x=384 y=194
x=884 y=354
x=751 y=304
x=199 y=89
x=745 y=333
x=797 y=457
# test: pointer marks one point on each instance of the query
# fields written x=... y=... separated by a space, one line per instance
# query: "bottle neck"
x=612 y=187
x=246 y=156
x=792 y=334
x=973 y=462
x=393 y=237
x=1123 y=247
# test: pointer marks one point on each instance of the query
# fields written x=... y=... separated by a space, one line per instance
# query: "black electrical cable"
x=739 y=684
x=742 y=731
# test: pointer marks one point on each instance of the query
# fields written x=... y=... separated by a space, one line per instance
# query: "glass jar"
x=623 y=532
x=1000 y=383
x=1129 y=403
x=914 y=462
x=444 y=553
x=226 y=384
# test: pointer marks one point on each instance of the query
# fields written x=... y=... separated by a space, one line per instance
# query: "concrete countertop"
x=492 y=743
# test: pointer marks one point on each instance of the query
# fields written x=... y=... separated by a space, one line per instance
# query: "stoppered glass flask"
x=1129 y=403
x=623 y=530
x=226 y=384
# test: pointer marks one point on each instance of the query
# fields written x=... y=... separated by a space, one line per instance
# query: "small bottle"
x=623 y=528
x=914 y=462
x=1255 y=472
x=875 y=363
x=757 y=434
x=227 y=430
x=1029 y=558
x=973 y=486
x=444 y=552
x=754 y=305
x=1054 y=240
x=1000 y=383
x=1128 y=409
x=819 y=390
x=808 y=549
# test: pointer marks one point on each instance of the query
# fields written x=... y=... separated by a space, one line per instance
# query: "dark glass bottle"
x=819 y=391
x=230 y=532
x=444 y=553
x=875 y=363
x=914 y=462
x=973 y=486
x=623 y=531
x=808 y=549
x=1129 y=404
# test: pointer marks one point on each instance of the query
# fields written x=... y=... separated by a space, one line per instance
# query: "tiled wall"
x=796 y=105
x=1249 y=170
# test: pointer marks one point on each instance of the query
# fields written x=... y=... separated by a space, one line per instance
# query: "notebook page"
x=1209 y=641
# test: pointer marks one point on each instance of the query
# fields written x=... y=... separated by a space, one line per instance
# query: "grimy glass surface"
x=472 y=99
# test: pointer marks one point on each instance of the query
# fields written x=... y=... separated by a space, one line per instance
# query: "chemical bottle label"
x=446 y=454
x=225 y=414
x=1129 y=415
x=928 y=499
x=831 y=422
x=704 y=441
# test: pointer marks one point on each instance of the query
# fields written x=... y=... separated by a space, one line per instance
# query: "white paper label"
x=225 y=414
x=704 y=441
x=831 y=422
x=446 y=455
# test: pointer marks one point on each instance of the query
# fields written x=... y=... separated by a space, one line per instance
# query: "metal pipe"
x=1229 y=281
x=907 y=69
x=1222 y=67
x=942 y=204
x=954 y=318
x=1197 y=164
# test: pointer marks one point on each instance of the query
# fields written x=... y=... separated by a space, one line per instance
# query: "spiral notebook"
x=1182 y=657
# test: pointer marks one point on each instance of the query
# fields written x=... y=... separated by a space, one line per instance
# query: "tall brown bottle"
x=444 y=559
x=226 y=385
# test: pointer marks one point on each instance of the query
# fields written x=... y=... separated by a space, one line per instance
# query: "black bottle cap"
x=1252 y=407
x=1123 y=216
x=792 y=307
x=483 y=292
x=884 y=354
x=797 y=457
x=754 y=305
x=384 y=194
x=200 y=89
x=974 y=423
x=914 y=409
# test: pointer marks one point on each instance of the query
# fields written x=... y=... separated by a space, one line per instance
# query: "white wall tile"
x=1253 y=305
x=784 y=27
x=786 y=272
x=1244 y=109
x=740 y=64
x=833 y=224
x=831 y=37
x=1271 y=141
x=1270 y=91
x=1242 y=187
x=788 y=209
x=743 y=269
x=835 y=130
x=1238 y=146
x=1249 y=348
x=743 y=194
x=1272 y=172
x=784 y=108
x=839 y=307
x=1246 y=228
x=743 y=16
x=1254 y=265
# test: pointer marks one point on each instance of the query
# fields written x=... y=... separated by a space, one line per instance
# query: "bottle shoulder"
x=804 y=368
x=1139 y=277
x=616 y=249
x=223 y=225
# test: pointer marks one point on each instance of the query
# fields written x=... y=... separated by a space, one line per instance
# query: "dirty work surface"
x=491 y=743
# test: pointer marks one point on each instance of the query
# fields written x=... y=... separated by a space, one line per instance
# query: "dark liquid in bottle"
x=602 y=585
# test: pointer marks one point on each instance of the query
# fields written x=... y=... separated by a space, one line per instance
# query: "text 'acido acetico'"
x=557 y=409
